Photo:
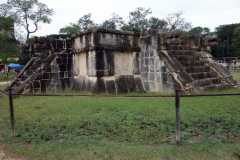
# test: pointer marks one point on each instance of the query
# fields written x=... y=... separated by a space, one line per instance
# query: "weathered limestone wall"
x=154 y=74
x=106 y=61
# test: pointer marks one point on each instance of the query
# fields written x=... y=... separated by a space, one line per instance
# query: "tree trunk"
x=227 y=44
x=5 y=70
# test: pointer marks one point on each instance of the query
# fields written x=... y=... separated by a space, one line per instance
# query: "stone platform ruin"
x=115 y=62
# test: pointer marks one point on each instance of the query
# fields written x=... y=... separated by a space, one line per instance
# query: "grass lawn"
x=9 y=77
x=122 y=128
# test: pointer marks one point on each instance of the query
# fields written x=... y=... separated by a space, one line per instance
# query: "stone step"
x=216 y=80
x=189 y=52
x=192 y=63
x=187 y=58
x=208 y=81
x=203 y=82
x=203 y=75
x=197 y=69
x=183 y=52
x=218 y=87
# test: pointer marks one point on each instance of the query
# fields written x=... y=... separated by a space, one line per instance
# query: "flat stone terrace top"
x=105 y=39
x=103 y=30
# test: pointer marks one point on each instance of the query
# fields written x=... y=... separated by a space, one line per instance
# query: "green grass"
x=122 y=128
x=236 y=76
x=9 y=77
x=111 y=150
x=3 y=86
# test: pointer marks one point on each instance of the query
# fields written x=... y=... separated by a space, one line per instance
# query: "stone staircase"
x=48 y=70
x=25 y=80
x=203 y=74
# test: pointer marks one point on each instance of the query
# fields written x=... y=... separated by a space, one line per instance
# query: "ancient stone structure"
x=231 y=63
x=114 y=62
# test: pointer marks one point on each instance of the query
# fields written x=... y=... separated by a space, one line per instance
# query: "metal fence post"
x=11 y=112
x=177 y=103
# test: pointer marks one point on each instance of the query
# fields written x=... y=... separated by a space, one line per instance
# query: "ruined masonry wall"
x=105 y=61
x=117 y=75
x=57 y=77
x=115 y=62
x=154 y=74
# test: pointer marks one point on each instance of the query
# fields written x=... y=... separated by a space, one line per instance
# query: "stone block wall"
x=115 y=62
x=154 y=74
x=57 y=76
x=106 y=61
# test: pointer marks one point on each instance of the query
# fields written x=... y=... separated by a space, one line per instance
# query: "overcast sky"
x=204 y=13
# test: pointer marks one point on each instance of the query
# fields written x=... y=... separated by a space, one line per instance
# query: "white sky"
x=204 y=13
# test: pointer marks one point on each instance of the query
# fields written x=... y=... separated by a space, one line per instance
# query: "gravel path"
x=1 y=83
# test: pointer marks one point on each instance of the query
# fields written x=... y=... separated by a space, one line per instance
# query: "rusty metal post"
x=11 y=112
x=177 y=103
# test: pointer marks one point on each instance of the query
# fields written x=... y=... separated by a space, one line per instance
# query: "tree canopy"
x=197 y=30
x=175 y=21
x=113 y=23
x=8 y=43
x=71 y=29
x=82 y=24
x=17 y=14
x=138 y=20
x=228 y=40
x=26 y=13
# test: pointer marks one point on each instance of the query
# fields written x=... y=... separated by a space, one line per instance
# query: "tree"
x=85 y=22
x=108 y=24
x=197 y=30
x=11 y=18
x=5 y=10
x=235 y=45
x=82 y=24
x=175 y=21
x=154 y=23
x=113 y=23
x=8 y=46
x=10 y=37
x=27 y=11
x=227 y=38
x=6 y=20
x=7 y=59
x=137 y=20
x=71 y=29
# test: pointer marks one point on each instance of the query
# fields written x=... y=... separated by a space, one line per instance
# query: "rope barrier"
x=123 y=96
x=127 y=117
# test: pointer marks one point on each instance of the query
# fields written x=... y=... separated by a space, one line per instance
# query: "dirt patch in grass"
x=6 y=156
